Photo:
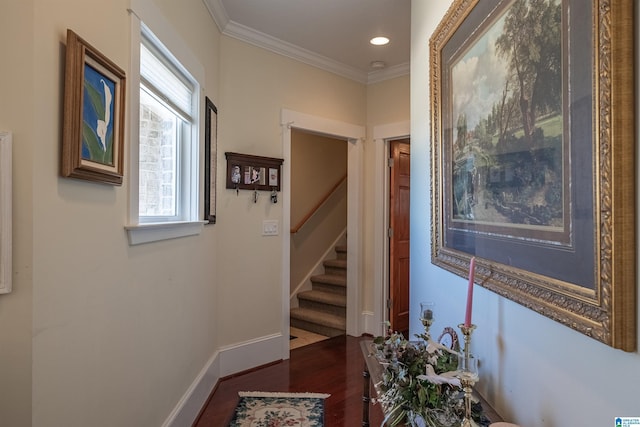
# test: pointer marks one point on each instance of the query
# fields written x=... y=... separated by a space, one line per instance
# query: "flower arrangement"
x=419 y=385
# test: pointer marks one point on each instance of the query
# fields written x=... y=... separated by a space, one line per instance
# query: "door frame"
x=382 y=134
x=354 y=135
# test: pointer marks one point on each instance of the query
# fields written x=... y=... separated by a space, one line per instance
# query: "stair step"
x=330 y=283
x=329 y=298
x=323 y=309
x=326 y=324
x=327 y=302
x=335 y=266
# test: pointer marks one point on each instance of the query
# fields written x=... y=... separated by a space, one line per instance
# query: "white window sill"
x=147 y=233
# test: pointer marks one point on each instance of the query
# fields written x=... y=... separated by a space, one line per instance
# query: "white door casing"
x=355 y=135
x=382 y=134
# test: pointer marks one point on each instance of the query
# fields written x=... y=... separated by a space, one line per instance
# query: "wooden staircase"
x=323 y=309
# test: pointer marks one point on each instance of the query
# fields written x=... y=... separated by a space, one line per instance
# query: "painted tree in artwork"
x=530 y=43
x=507 y=162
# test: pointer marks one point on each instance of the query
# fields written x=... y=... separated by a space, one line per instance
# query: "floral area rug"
x=259 y=409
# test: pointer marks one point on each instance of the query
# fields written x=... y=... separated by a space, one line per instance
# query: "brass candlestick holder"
x=426 y=317
x=467 y=373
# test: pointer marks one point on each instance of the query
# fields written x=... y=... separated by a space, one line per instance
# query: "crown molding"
x=218 y=13
x=249 y=35
x=388 y=73
x=275 y=45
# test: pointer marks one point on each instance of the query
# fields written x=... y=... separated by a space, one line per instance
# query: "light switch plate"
x=270 y=227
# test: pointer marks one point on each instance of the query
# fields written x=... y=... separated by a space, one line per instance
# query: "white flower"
x=444 y=378
x=103 y=125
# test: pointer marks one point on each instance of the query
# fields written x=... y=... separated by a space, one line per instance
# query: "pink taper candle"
x=467 y=317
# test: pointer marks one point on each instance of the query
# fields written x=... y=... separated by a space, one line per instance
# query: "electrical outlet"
x=270 y=227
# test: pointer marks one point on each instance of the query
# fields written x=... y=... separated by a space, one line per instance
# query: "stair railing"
x=318 y=205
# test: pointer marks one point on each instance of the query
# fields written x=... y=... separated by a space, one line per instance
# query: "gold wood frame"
x=93 y=132
x=605 y=307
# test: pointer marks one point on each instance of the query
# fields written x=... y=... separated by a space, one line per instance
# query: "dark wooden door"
x=399 y=235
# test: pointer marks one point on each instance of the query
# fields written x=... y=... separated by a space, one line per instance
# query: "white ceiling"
x=330 y=34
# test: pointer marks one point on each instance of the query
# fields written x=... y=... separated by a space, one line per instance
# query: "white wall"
x=387 y=105
x=257 y=85
x=535 y=372
x=119 y=332
x=17 y=100
x=97 y=332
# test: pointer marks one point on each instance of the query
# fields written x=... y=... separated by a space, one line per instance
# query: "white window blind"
x=165 y=80
x=167 y=127
x=165 y=124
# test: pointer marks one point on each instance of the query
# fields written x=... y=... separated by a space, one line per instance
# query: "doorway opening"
x=318 y=249
x=382 y=137
x=399 y=208
x=354 y=135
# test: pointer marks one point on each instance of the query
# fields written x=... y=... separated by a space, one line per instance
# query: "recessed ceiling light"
x=379 y=41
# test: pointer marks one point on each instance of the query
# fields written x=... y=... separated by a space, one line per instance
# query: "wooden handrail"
x=315 y=209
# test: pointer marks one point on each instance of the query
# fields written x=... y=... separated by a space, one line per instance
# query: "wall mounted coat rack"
x=248 y=172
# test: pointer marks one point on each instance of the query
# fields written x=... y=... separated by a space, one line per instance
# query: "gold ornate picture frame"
x=533 y=150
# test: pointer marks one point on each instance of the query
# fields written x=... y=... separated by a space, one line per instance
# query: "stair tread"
x=331 y=279
x=323 y=309
x=330 y=298
x=327 y=319
x=336 y=263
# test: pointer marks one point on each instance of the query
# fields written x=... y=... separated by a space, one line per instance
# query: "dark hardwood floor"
x=333 y=366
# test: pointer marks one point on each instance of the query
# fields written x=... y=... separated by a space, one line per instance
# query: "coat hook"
x=235 y=178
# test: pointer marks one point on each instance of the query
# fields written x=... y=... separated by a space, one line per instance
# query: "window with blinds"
x=168 y=126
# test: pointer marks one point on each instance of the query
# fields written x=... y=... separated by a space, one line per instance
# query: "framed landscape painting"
x=533 y=157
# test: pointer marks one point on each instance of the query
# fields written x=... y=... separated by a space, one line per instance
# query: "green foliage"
x=531 y=44
x=95 y=98
x=407 y=397
x=90 y=138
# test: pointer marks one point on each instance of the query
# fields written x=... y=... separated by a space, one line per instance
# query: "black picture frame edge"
x=211 y=112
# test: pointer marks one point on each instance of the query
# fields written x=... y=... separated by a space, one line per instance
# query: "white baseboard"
x=368 y=327
x=249 y=354
x=226 y=361
x=188 y=408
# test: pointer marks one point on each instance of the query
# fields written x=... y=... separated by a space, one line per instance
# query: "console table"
x=372 y=375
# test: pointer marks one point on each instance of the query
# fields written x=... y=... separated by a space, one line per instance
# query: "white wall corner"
x=218 y=13
x=354 y=235
x=368 y=323
x=194 y=399
x=250 y=354
x=6 y=228
x=226 y=361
